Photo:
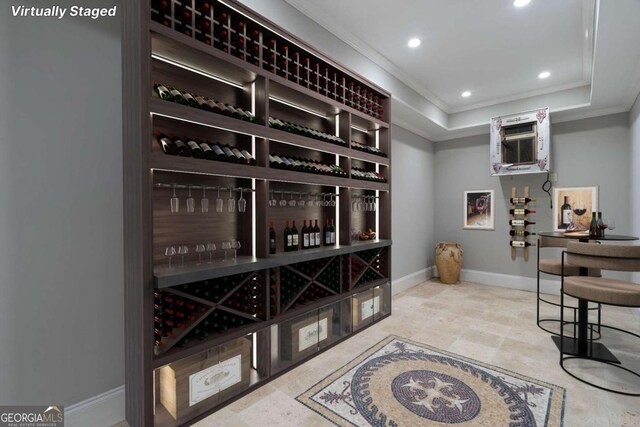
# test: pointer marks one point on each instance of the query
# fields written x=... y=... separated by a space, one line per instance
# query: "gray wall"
x=634 y=126
x=585 y=152
x=412 y=213
x=61 y=268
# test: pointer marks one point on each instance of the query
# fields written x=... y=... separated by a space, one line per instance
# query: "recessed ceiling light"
x=466 y=94
x=414 y=42
x=586 y=34
x=521 y=3
x=544 y=75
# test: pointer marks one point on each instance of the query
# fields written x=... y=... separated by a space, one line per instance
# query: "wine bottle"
x=305 y=235
x=295 y=237
x=327 y=233
x=272 y=238
x=333 y=233
x=520 y=244
x=189 y=98
x=183 y=149
x=196 y=151
x=249 y=158
x=520 y=222
x=566 y=214
x=288 y=238
x=218 y=152
x=166 y=144
x=593 y=226
x=522 y=200
x=202 y=103
x=230 y=156
x=276 y=162
x=234 y=113
x=209 y=154
x=521 y=233
x=177 y=96
x=521 y=211
x=311 y=236
x=213 y=106
x=241 y=159
x=601 y=226
x=316 y=230
x=163 y=92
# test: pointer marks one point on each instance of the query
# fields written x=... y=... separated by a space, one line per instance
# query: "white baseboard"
x=547 y=286
x=413 y=279
x=103 y=410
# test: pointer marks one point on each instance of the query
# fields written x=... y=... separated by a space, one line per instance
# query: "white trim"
x=103 y=410
x=547 y=286
x=411 y=280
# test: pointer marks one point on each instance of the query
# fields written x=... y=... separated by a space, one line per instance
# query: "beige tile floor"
x=491 y=324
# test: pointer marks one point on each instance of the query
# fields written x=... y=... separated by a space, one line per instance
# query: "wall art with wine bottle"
x=572 y=207
x=479 y=208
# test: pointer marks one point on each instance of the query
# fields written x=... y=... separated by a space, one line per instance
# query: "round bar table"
x=579 y=346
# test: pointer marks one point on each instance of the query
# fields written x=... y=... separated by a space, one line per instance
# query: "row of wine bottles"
x=200 y=149
x=173 y=312
x=304 y=131
x=246 y=299
x=218 y=322
x=367 y=149
x=244 y=39
x=308 y=238
x=304 y=165
x=197 y=101
x=367 y=175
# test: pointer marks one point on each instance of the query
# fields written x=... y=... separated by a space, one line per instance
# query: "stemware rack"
x=251 y=309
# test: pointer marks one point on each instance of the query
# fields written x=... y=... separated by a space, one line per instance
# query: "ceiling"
x=495 y=51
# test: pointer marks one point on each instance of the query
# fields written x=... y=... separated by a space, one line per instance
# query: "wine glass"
x=226 y=245
x=283 y=202
x=242 y=202
x=231 y=203
x=169 y=251
x=204 y=202
x=191 y=202
x=354 y=204
x=292 y=202
x=325 y=202
x=300 y=201
x=309 y=200
x=235 y=245
x=175 y=202
x=332 y=202
x=211 y=248
x=481 y=206
x=200 y=248
x=318 y=201
x=219 y=202
x=272 y=200
x=183 y=251
x=578 y=208
x=611 y=223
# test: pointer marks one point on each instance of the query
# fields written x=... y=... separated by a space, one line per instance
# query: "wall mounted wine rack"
x=242 y=88
x=520 y=223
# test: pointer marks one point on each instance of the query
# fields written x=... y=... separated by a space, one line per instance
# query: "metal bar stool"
x=599 y=290
x=553 y=267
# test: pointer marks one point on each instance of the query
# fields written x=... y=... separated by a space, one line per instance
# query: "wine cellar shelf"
x=257 y=205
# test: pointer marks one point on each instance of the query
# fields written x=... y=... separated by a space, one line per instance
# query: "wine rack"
x=212 y=91
x=520 y=222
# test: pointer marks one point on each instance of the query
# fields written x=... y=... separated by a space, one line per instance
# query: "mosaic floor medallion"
x=398 y=382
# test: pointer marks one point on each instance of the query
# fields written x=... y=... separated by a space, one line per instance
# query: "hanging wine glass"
x=309 y=200
x=175 y=202
x=318 y=201
x=332 y=202
x=325 y=202
x=170 y=251
x=219 y=202
x=292 y=202
x=200 y=248
x=300 y=201
x=242 y=202
x=354 y=204
x=231 y=203
x=283 y=202
x=211 y=248
x=191 y=202
x=272 y=200
x=204 y=202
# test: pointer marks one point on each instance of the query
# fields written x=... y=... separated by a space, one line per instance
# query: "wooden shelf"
x=368 y=157
x=310 y=143
x=165 y=277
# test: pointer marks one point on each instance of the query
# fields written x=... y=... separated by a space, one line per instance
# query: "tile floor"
x=491 y=324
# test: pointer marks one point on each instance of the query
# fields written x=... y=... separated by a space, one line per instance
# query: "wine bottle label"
x=312 y=239
x=305 y=241
x=238 y=154
x=193 y=145
x=313 y=334
x=217 y=150
x=295 y=239
x=317 y=238
x=210 y=381
x=327 y=237
x=205 y=147
x=566 y=216
x=176 y=93
x=518 y=244
x=369 y=307
x=272 y=243
x=289 y=240
x=247 y=155
x=333 y=238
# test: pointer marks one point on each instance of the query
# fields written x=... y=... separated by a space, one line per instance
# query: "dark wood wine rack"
x=225 y=51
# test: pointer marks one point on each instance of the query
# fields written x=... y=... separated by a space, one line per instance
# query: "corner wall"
x=585 y=152
x=634 y=130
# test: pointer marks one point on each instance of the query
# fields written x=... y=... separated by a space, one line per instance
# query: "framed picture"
x=574 y=205
x=479 y=206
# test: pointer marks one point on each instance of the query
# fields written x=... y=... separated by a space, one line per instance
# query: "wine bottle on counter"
x=521 y=233
x=566 y=214
x=593 y=226
x=520 y=222
x=305 y=236
x=316 y=231
x=295 y=241
x=166 y=144
x=288 y=238
x=183 y=149
x=521 y=211
x=520 y=244
x=601 y=225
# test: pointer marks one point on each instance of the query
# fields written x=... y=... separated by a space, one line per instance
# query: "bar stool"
x=599 y=290
x=553 y=267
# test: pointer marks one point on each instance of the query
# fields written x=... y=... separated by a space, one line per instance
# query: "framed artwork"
x=574 y=205
x=479 y=206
